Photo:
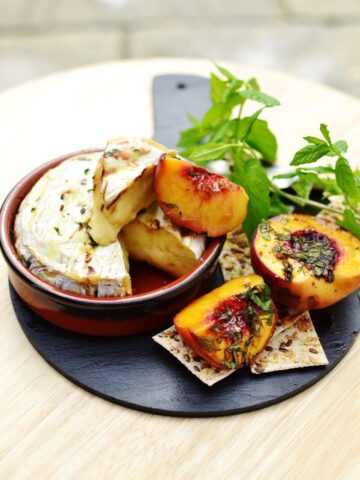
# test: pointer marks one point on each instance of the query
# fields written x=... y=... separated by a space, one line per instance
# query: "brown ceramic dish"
x=157 y=299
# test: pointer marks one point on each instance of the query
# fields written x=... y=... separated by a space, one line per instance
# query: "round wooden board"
x=138 y=373
x=50 y=428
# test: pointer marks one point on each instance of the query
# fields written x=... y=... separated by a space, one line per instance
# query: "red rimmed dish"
x=158 y=296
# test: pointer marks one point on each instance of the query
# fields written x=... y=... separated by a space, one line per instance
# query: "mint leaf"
x=263 y=140
x=194 y=121
x=253 y=84
x=259 y=97
x=217 y=88
x=341 y=146
x=221 y=132
x=243 y=127
x=252 y=176
x=190 y=137
x=317 y=169
x=226 y=72
x=349 y=222
x=357 y=177
x=303 y=186
x=325 y=131
x=286 y=175
x=346 y=181
x=315 y=140
x=233 y=85
x=210 y=151
x=276 y=206
x=338 y=148
x=216 y=114
x=309 y=154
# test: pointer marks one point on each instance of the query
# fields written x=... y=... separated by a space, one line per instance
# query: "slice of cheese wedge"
x=123 y=185
x=52 y=233
x=154 y=238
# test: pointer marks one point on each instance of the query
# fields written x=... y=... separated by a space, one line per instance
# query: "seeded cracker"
x=295 y=347
x=235 y=256
x=171 y=341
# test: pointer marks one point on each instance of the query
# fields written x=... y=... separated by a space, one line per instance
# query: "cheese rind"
x=52 y=234
x=154 y=239
x=123 y=185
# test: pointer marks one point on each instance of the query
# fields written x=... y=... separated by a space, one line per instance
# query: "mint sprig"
x=248 y=144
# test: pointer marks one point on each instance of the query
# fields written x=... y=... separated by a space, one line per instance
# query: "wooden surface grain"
x=51 y=429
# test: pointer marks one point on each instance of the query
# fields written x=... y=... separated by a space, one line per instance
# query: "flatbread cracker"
x=171 y=341
x=295 y=347
x=304 y=350
x=235 y=256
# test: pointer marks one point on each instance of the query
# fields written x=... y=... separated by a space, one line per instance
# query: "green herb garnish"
x=111 y=153
x=315 y=251
x=208 y=344
x=57 y=230
x=265 y=229
x=246 y=143
x=230 y=365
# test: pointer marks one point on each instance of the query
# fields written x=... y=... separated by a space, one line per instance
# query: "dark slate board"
x=138 y=373
x=174 y=97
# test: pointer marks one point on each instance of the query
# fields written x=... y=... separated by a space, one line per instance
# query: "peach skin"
x=308 y=262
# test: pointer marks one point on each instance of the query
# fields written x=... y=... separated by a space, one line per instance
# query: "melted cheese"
x=190 y=240
x=154 y=239
x=124 y=161
x=52 y=233
x=123 y=185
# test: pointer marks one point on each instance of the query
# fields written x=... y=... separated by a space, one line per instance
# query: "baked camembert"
x=67 y=237
x=52 y=234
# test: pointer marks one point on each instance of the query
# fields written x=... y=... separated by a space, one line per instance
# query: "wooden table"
x=52 y=429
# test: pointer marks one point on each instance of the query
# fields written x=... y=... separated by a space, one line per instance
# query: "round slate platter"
x=138 y=373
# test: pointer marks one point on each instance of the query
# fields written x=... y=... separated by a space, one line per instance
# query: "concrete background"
x=317 y=39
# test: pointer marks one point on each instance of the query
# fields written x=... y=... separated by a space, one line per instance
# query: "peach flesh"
x=308 y=262
x=227 y=326
x=196 y=199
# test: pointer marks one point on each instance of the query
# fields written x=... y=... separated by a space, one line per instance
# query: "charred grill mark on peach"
x=206 y=182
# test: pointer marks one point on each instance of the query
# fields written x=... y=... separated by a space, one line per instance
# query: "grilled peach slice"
x=197 y=199
x=308 y=262
x=230 y=325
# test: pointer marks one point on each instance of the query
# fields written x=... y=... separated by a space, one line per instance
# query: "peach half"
x=230 y=325
x=308 y=262
x=196 y=199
